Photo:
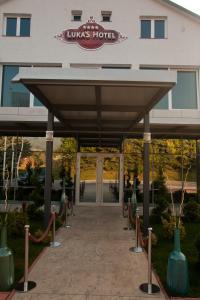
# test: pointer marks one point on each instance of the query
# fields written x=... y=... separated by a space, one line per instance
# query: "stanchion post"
x=148 y=287
x=54 y=244
x=137 y=249
x=26 y=258
x=149 y=262
x=26 y=285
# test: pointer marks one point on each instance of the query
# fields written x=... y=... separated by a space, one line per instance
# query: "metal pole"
x=137 y=249
x=182 y=168
x=4 y=158
x=152 y=184
x=12 y=160
x=26 y=258
x=26 y=285
x=148 y=287
x=147 y=141
x=54 y=244
x=149 y=263
x=48 y=170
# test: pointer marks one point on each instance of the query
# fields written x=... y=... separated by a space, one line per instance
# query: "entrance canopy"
x=99 y=106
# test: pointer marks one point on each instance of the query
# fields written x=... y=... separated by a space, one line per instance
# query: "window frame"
x=31 y=98
x=169 y=94
x=196 y=71
x=106 y=14
x=76 y=13
x=18 y=18
x=153 y=20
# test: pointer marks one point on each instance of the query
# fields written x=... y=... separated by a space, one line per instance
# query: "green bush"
x=16 y=222
x=34 y=213
x=169 y=226
x=191 y=212
x=37 y=197
x=161 y=199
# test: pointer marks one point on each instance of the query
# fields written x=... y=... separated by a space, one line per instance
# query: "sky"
x=193 y=5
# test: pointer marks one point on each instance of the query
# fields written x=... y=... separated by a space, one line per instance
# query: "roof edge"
x=182 y=9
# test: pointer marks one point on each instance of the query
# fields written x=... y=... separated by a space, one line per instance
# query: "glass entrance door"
x=88 y=179
x=110 y=180
x=99 y=179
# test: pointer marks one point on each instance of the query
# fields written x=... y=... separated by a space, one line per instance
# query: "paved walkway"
x=93 y=262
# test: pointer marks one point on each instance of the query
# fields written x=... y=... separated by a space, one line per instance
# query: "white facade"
x=179 y=50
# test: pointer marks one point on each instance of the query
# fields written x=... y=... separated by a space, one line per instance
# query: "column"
x=48 y=171
x=146 y=160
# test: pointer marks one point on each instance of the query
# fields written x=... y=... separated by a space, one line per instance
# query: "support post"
x=146 y=160
x=48 y=171
x=198 y=168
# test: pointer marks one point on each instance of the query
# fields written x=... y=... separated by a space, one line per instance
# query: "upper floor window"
x=17 y=25
x=76 y=15
x=184 y=94
x=153 y=28
x=106 y=16
x=15 y=94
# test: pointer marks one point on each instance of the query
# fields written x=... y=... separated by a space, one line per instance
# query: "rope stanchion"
x=149 y=287
x=138 y=248
x=42 y=238
x=54 y=244
x=26 y=285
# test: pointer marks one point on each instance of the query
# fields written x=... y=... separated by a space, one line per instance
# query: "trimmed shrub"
x=16 y=222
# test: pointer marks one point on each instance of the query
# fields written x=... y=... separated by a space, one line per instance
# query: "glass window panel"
x=37 y=102
x=11 y=26
x=25 y=26
x=145 y=29
x=159 y=29
x=13 y=94
x=77 y=17
x=106 y=18
x=163 y=103
x=184 y=94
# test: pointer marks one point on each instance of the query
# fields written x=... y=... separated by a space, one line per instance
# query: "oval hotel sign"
x=91 y=35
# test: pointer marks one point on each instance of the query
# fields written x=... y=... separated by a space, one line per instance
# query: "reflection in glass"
x=14 y=94
x=159 y=29
x=88 y=179
x=25 y=24
x=111 y=180
x=145 y=29
x=184 y=94
x=11 y=26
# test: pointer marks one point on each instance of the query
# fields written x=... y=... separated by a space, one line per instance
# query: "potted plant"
x=177 y=268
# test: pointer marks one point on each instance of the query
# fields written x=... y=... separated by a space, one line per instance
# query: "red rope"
x=41 y=239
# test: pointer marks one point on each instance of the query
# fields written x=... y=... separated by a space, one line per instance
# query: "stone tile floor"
x=93 y=261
